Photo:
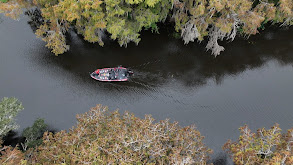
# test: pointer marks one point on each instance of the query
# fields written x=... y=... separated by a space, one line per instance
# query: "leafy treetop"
x=124 y=19
x=9 y=108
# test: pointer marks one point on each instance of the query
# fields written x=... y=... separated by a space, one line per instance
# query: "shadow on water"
x=221 y=159
x=14 y=138
x=160 y=62
x=159 y=59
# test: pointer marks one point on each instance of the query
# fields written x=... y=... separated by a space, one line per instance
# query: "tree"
x=11 y=155
x=102 y=137
x=124 y=19
x=13 y=8
x=33 y=135
x=9 y=108
x=224 y=19
x=264 y=147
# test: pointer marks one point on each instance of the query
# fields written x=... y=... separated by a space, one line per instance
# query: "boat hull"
x=117 y=74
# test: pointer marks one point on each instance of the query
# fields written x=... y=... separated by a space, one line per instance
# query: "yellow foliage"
x=124 y=19
x=54 y=37
x=252 y=21
x=11 y=9
x=11 y=156
x=102 y=137
x=217 y=4
x=264 y=147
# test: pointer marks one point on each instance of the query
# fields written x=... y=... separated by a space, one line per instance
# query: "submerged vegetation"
x=195 y=20
x=103 y=137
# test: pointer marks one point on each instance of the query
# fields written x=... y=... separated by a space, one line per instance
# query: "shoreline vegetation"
x=194 y=20
x=108 y=137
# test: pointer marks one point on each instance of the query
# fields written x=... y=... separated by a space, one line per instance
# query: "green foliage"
x=9 y=108
x=4 y=1
x=125 y=19
x=122 y=19
x=33 y=135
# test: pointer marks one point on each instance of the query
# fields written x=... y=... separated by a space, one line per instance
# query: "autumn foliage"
x=103 y=137
x=10 y=155
x=264 y=147
x=110 y=138
x=223 y=19
x=196 y=20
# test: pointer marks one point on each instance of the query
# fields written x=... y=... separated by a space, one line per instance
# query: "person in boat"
x=119 y=73
x=116 y=73
x=129 y=72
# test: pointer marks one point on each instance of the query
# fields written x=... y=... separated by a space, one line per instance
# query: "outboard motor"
x=130 y=72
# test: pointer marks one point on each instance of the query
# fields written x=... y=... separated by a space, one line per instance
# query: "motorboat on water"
x=112 y=74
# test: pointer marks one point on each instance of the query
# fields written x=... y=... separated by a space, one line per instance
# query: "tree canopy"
x=196 y=20
x=264 y=147
x=33 y=135
x=104 y=137
x=223 y=19
x=9 y=108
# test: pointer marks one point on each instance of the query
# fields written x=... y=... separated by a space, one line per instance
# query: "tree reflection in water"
x=161 y=58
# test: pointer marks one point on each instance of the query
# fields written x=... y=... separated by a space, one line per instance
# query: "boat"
x=112 y=74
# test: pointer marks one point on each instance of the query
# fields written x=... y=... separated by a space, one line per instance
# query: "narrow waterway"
x=249 y=83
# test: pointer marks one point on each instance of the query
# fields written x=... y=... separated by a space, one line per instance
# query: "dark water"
x=250 y=83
